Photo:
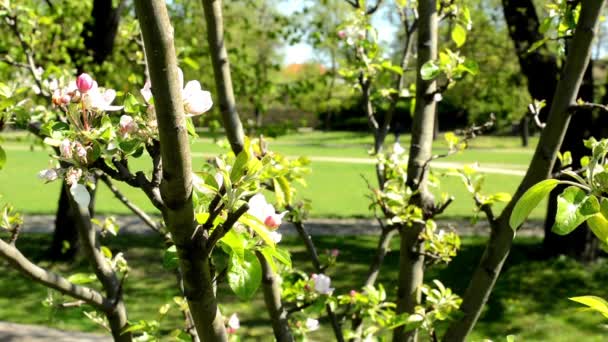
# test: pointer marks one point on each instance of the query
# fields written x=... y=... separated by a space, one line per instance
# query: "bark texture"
x=221 y=71
x=176 y=182
x=411 y=259
x=541 y=166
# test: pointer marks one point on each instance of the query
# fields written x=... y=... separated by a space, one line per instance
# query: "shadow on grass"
x=529 y=300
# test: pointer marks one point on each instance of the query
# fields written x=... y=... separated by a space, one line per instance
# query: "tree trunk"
x=581 y=243
x=411 y=259
x=540 y=68
x=524 y=130
x=221 y=71
x=498 y=246
x=176 y=183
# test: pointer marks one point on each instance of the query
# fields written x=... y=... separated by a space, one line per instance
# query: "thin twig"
x=222 y=229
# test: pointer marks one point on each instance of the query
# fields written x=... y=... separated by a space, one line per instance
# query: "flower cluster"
x=351 y=34
x=265 y=212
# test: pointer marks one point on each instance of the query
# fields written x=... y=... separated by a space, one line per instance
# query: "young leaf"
x=429 y=70
x=244 y=275
x=573 y=208
x=594 y=303
x=82 y=278
x=459 y=35
x=598 y=223
x=530 y=200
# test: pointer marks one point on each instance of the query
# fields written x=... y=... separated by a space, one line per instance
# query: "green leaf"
x=594 y=303
x=2 y=158
x=598 y=223
x=245 y=275
x=82 y=278
x=235 y=242
x=286 y=188
x=258 y=226
x=282 y=255
x=459 y=35
x=238 y=169
x=537 y=45
x=530 y=200
x=278 y=192
x=131 y=104
x=429 y=70
x=574 y=207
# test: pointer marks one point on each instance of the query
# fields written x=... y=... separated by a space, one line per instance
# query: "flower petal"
x=81 y=195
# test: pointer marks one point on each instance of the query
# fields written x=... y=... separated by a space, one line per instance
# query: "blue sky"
x=303 y=52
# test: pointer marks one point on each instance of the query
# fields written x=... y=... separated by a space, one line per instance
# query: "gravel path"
x=133 y=225
x=11 y=332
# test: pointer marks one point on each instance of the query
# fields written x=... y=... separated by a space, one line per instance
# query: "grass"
x=529 y=301
x=336 y=189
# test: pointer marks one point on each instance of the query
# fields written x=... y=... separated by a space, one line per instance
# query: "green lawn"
x=336 y=189
x=529 y=301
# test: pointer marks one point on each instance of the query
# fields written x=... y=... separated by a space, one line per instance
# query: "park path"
x=501 y=169
x=493 y=168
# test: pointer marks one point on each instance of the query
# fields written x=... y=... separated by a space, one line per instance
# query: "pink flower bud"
x=65 y=149
x=353 y=293
x=127 y=125
x=334 y=253
x=341 y=34
x=81 y=151
x=273 y=221
x=84 y=82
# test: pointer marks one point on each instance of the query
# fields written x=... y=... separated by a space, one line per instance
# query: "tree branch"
x=117 y=317
x=221 y=71
x=51 y=279
x=222 y=229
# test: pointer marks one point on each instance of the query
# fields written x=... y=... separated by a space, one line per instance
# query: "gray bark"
x=499 y=244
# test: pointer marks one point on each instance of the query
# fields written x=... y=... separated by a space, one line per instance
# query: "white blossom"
x=65 y=149
x=276 y=236
x=264 y=211
x=48 y=175
x=322 y=283
x=233 y=322
x=398 y=149
x=311 y=324
x=100 y=100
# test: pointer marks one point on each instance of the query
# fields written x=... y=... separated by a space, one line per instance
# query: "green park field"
x=337 y=185
x=530 y=300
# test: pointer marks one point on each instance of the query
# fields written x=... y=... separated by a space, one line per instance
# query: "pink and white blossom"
x=196 y=100
x=65 y=149
x=233 y=324
x=73 y=175
x=85 y=82
x=264 y=211
x=48 y=175
x=101 y=100
x=322 y=283
x=127 y=125
x=80 y=151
